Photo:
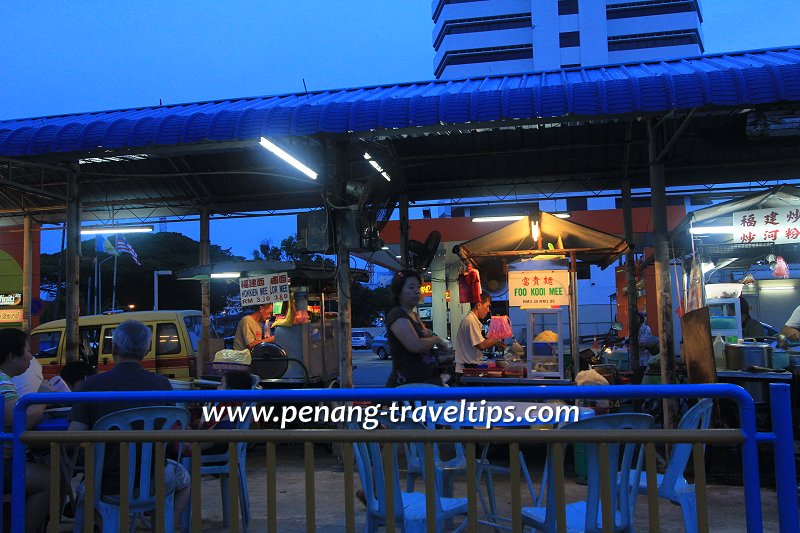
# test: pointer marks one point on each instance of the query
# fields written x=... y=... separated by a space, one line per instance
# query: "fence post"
x=785 y=470
x=752 y=485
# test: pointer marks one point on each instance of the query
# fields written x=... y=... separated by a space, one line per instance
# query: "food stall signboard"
x=265 y=289
x=538 y=289
x=780 y=225
x=11 y=315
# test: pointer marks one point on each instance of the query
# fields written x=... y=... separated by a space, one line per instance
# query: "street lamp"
x=155 y=285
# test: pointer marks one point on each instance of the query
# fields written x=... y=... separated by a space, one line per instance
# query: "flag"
x=123 y=246
x=104 y=245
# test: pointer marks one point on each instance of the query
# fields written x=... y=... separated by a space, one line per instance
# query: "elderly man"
x=130 y=343
x=253 y=329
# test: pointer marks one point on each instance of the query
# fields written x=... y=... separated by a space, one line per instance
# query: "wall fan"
x=421 y=254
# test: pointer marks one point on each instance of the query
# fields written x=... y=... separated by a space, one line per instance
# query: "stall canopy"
x=300 y=273
x=719 y=233
x=555 y=237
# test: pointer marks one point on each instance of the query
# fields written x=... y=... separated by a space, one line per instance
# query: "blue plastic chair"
x=586 y=515
x=141 y=458
x=218 y=464
x=410 y=507
x=672 y=484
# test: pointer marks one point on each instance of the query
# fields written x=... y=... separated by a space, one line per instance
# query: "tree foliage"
x=367 y=305
x=158 y=251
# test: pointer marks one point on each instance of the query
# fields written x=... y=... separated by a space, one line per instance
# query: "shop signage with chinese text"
x=426 y=290
x=14 y=298
x=780 y=225
x=265 y=289
x=537 y=289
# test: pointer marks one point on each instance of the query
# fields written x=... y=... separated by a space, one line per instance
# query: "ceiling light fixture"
x=712 y=230
x=376 y=166
x=110 y=230
x=778 y=288
x=561 y=215
x=283 y=154
x=498 y=219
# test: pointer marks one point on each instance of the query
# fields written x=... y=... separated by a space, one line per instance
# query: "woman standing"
x=409 y=340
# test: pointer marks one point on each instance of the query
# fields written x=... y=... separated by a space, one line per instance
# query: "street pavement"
x=370 y=370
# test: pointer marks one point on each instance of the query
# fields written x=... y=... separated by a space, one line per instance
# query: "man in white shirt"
x=470 y=342
x=792 y=327
x=31 y=380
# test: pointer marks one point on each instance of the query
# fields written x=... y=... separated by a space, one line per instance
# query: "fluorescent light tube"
x=777 y=288
x=498 y=219
x=226 y=275
x=288 y=158
x=561 y=215
x=110 y=230
x=712 y=230
x=376 y=166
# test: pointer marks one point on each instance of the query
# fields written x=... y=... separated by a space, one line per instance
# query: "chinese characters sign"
x=426 y=290
x=780 y=225
x=265 y=289
x=538 y=288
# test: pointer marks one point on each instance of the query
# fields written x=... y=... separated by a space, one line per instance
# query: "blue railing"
x=781 y=436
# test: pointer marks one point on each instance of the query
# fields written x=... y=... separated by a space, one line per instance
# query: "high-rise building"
x=475 y=38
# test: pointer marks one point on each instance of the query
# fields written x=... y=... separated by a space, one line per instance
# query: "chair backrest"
x=370 y=470
x=620 y=465
x=698 y=417
x=141 y=456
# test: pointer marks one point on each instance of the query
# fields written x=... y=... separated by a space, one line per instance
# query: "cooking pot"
x=744 y=355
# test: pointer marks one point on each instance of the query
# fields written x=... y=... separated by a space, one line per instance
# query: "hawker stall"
x=540 y=259
x=738 y=255
x=304 y=351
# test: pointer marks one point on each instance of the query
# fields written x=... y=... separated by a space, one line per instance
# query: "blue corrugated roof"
x=743 y=78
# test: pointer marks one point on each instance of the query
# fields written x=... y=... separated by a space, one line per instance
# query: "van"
x=173 y=348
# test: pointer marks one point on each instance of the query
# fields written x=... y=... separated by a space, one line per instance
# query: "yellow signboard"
x=538 y=289
x=10 y=315
x=427 y=290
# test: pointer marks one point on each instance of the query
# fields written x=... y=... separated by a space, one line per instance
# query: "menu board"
x=780 y=225
x=538 y=289
x=269 y=288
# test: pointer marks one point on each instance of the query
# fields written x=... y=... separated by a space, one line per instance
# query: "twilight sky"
x=93 y=55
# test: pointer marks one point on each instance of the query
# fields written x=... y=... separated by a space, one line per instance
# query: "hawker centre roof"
x=537 y=133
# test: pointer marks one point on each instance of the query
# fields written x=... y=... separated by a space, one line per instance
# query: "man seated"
x=130 y=343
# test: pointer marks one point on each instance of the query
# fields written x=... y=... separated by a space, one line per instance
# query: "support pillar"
x=404 y=230
x=205 y=290
x=663 y=286
x=439 y=294
x=338 y=168
x=574 y=326
x=72 y=285
x=27 y=274
x=630 y=277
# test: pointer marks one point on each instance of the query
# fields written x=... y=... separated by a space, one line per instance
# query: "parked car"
x=380 y=345
x=361 y=339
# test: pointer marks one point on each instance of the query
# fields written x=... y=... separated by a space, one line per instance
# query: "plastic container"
x=716 y=291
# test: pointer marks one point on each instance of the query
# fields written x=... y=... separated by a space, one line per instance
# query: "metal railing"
x=780 y=438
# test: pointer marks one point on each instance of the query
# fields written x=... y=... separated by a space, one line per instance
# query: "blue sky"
x=92 y=55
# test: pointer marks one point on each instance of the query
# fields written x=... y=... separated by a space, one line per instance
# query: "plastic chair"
x=586 y=515
x=672 y=484
x=409 y=507
x=218 y=464
x=141 y=457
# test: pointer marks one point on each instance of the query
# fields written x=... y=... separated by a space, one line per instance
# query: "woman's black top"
x=409 y=367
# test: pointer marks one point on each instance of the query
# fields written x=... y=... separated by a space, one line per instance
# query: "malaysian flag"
x=123 y=246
